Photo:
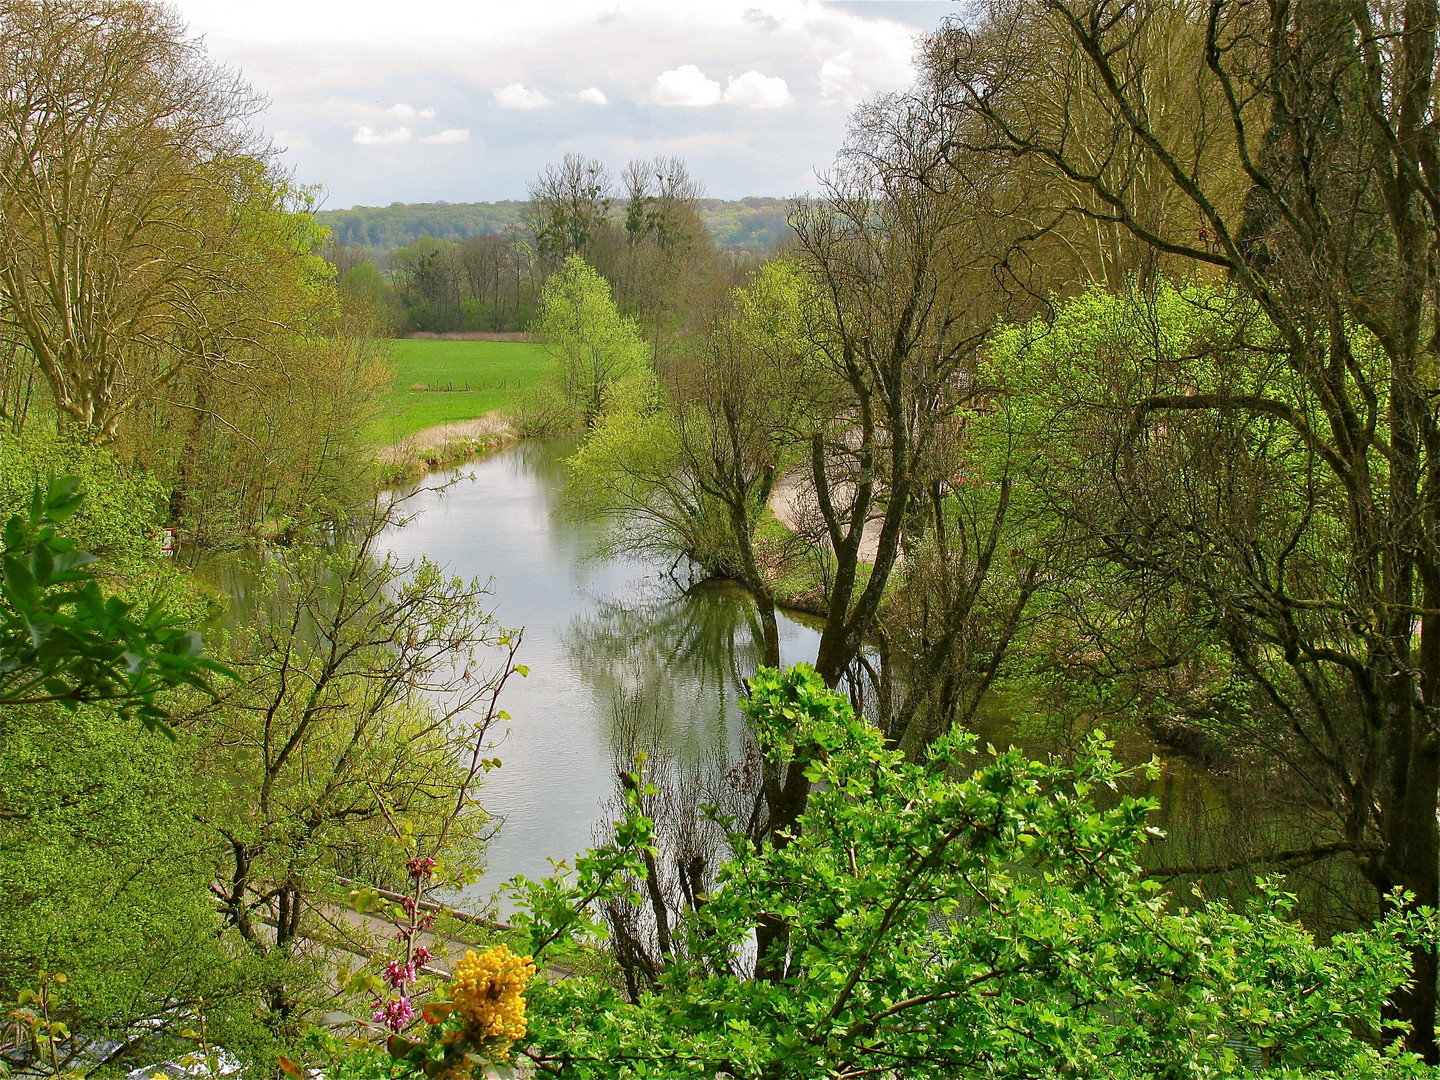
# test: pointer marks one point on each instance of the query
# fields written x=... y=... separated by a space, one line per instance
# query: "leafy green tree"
x=1330 y=111
x=106 y=879
x=601 y=362
x=967 y=916
x=362 y=682
x=693 y=478
x=106 y=869
x=121 y=152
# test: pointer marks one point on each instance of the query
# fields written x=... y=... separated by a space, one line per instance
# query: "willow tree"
x=121 y=149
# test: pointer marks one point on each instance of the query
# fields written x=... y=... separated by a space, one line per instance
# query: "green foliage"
x=106 y=874
x=122 y=509
x=62 y=640
x=631 y=471
x=967 y=917
x=688 y=476
x=600 y=362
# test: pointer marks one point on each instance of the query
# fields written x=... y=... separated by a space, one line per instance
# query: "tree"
x=1330 y=112
x=693 y=479
x=361 y=681
x=600 y=359
x=270 y=432
x=427 y=275
x=569 y=207
x=955 y=917
x=105 y=880
x=121 y=151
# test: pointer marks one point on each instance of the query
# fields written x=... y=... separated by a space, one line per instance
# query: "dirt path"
x=794 y=504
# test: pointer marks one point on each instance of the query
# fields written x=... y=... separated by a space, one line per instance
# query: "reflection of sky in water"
x=592 y=626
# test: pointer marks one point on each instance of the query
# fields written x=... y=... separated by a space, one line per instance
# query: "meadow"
x=440 y=382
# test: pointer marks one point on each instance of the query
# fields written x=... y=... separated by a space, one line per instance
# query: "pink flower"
x=420 y=867
x=399 y=975
x=422 y=956
x=395 y=1014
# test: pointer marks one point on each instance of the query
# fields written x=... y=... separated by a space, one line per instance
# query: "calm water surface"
x=597 y=631
x=614 y=646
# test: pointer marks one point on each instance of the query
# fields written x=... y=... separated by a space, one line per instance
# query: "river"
x=599 y=632
x=614 y=645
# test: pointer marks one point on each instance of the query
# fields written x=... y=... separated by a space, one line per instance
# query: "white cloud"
x=849 y=77
x=756 y=91
x=593 y=95
x=518 y=96
x=838 y=81
x=329 y=66
x=295 y=142
x=449 y=135
x=405 y=112
x=686 y=85
x=367 y=136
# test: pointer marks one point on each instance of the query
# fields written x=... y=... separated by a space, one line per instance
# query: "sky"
x=380 y=101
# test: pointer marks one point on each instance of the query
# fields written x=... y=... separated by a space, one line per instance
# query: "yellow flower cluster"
x=488 y=992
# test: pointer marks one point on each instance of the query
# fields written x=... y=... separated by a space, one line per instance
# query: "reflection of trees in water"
x=1217 y=822
x=683 y=657
x=1216 y=810
x=685 y=797
x=667 y=670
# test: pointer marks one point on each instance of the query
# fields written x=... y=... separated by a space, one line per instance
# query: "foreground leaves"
x=63 y=640
x=990 y=924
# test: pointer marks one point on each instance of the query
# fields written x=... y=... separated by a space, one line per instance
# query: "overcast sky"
x=383 y=101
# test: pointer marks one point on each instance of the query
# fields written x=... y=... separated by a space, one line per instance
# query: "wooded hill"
x=752 y=224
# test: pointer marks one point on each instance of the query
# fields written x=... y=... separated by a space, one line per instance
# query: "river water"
x=599 y=632
x=614 y=644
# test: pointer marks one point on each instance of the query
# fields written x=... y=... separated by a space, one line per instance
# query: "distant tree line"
x=443 y=268
x=752 y=224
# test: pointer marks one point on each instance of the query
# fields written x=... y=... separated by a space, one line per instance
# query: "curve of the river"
x=613 y=645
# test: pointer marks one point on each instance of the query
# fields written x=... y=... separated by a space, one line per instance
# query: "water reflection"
x=623 y=659
x=597 y=632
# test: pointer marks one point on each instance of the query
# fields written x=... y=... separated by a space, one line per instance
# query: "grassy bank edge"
x=444 y=446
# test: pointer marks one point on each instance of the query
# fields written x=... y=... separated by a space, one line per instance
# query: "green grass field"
x=498 y=374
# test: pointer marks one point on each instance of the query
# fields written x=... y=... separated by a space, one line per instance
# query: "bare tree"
x=569 y=206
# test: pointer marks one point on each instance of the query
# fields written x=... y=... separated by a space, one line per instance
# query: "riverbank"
x=451 y=400
x=444 y=446
x=792 y=545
